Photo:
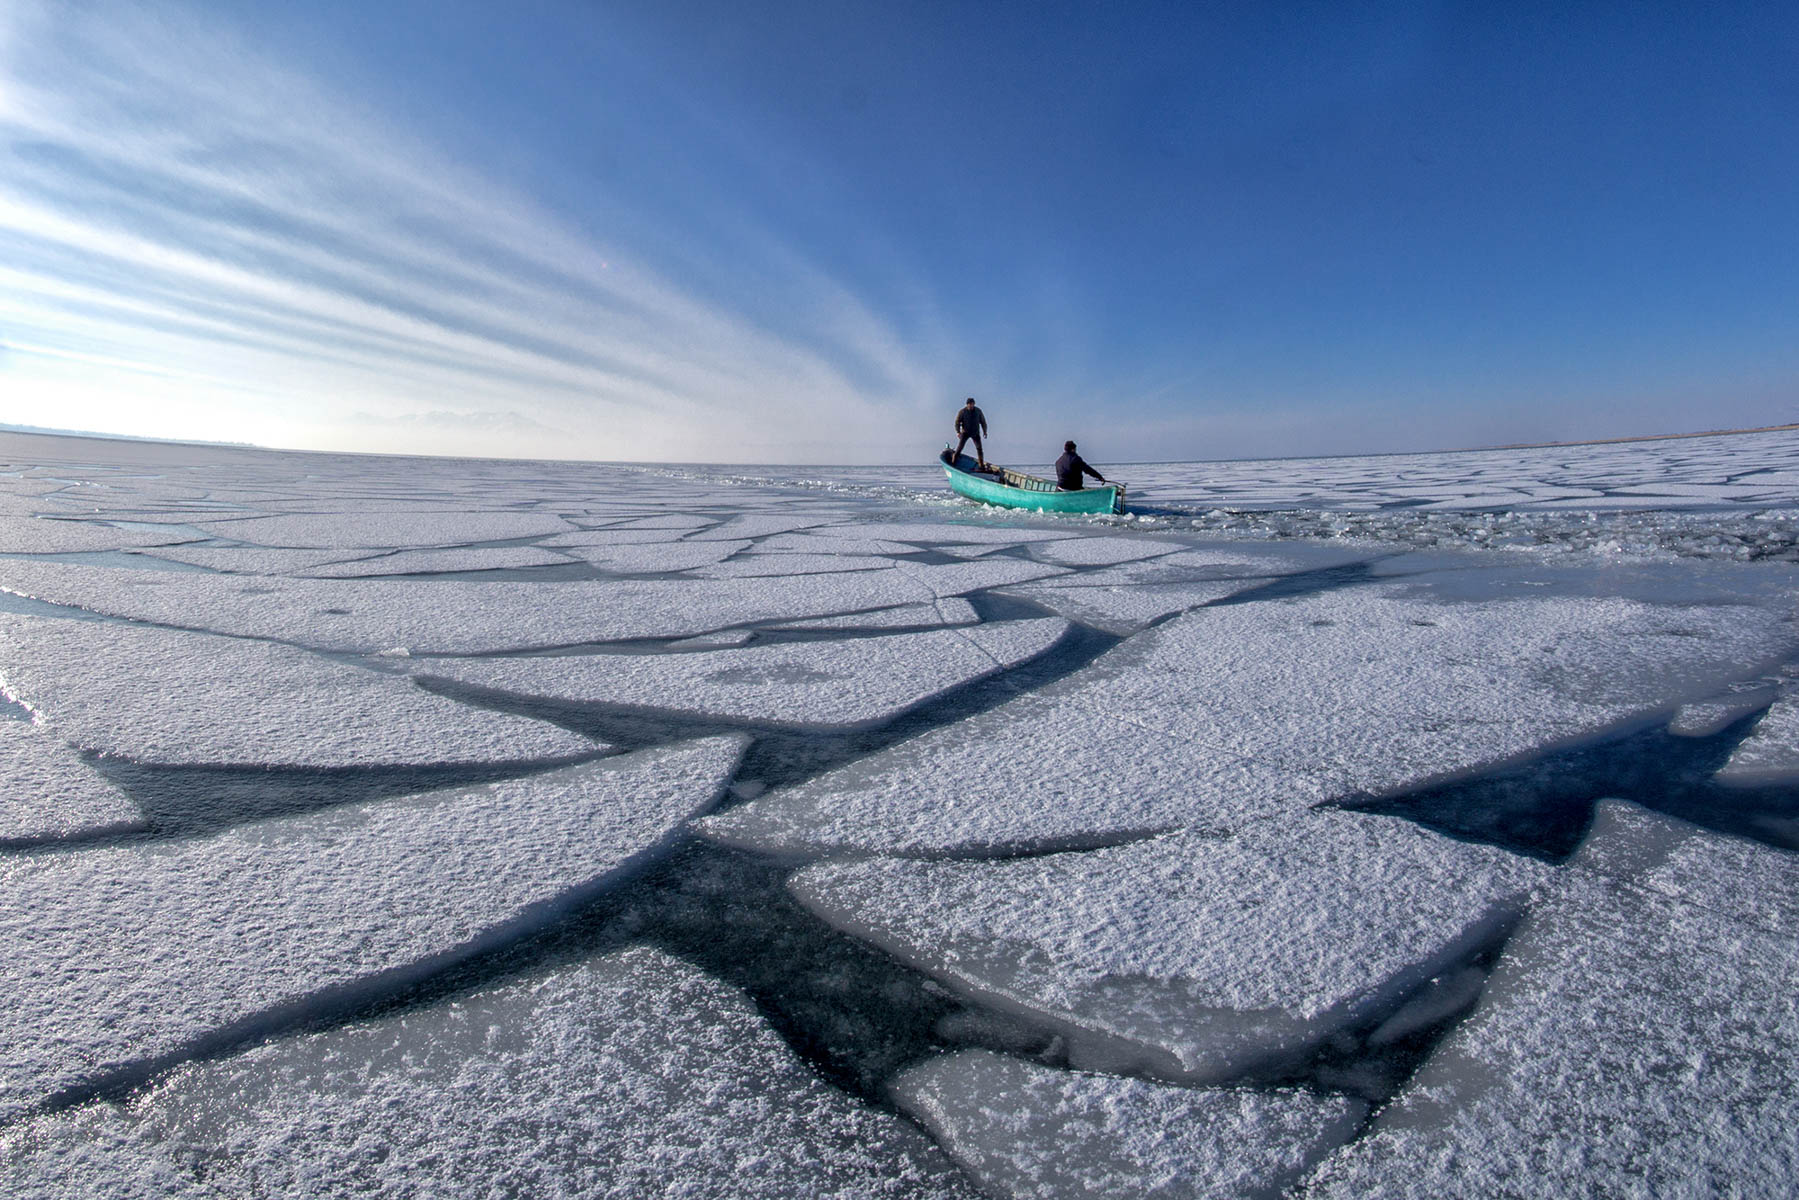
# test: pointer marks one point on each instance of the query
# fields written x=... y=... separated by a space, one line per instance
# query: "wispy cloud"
x=182 y=215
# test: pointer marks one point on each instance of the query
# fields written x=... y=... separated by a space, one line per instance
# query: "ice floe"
x=655 y=558
x=166 y=696
x=952 y=611
x=387 y=530
x=121 y=957
x=1770 y=754
x=426 y=562
x=46 y=791
x=857 y=681
x=26 y=534
x=1243 y=712
x=633 y=1075
x=1191 y=958
x=1037 y=1133
x=1629 y=1043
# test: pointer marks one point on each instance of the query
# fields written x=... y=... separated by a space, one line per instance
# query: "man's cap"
x=1068 y=445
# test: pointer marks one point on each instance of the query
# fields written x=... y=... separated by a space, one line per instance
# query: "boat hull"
x=1043 y=497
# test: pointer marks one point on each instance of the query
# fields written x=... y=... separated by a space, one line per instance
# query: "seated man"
x=1069 y=468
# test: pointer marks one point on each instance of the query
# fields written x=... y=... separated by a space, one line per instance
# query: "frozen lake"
x=1415 y=825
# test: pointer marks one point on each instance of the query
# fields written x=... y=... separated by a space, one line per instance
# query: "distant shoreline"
x=1642 y=437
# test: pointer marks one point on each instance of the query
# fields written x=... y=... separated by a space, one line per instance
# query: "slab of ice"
x=634 y=1075
x=465 y=617
x=839 y=543
x=129 y=955
x=1121 y=608
x=26 y=534
x=761 y=566
x=953 y=611
x=1029 y=1131
x=758 y=525
x=1704 y=718
x=1770 y=754
x=1190 y=958
x=931 y=533
x=165 y=696
x=1232 y=714
x=1102 y=551
x=858 y=681
x=385 y=530
x=656 y=558
x=1627 y=1045
x=615 y=537
x=427 y=562
x=245 y=560
x=46 y=791
x=1740 y=879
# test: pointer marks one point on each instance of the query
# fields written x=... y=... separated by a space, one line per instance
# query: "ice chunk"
x=840 y=542
x=1102 y=551
x=758 y=525
x=1627 y=1044
x=953 y=611
x=752 y=566
x=1190 y=958
x=858 y=681
x=932 y=533
x=1704 y=718
x=21 y=533
x=1233 y=713
x=657 y=557
x=1037 y=773
x=1030 y=1131
x=384 y=530
x=1748 y=882
x=130 y=955
x=633 y=1075
x=246 y=560
x=1121 y=608
x=164 y=696
x=49 y=792
x=1770 y=754
x=615 y=537
x=425 y=562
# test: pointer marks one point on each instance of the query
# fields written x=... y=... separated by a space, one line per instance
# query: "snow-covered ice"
x=1770 y=754
x=1124 y=855
x=1629 y=1043
x=1029 y=1131
x=46 y=791
x=634 y=1075
x=1191 y=958
x=126 y=955
x=858 y=681
x=1240 y=713
x=164 y=696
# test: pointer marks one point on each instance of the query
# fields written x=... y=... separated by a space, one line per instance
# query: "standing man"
x=971 y=423
x=1069 y=468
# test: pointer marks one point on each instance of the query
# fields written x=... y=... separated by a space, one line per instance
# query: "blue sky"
x=696 y=230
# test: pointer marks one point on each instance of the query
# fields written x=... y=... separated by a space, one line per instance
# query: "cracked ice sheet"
x=1232 y=714
x=1627 y=1045
x=386 y=530
x=245 y=560
x=954 y=611
x=426 y=562
x=1770 y=754
x=168 y=697
x=1190 y=958
x=111 y=957
x=23 y=534
x=656 y=558
x=1038 y=1133
x=48 y=792
x=630 y=1076
x=776 y=565
x=468 y=617
x=1102 y=551
x=858 y=681
x=1736 y=878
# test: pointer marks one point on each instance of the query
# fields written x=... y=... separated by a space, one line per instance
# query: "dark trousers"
x=962 y=441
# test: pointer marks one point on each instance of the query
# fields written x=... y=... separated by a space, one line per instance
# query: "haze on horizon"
x=692 y=231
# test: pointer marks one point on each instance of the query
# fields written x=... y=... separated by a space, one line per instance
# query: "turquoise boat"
x=1015 y=489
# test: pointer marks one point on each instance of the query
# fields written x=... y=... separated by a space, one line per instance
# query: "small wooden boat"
x=1015 y=489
